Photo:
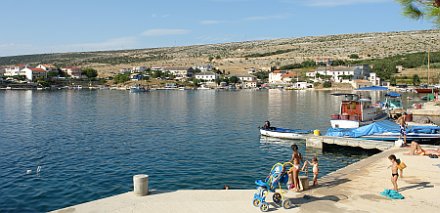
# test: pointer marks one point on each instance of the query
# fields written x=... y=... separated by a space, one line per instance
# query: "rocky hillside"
x=238 y=57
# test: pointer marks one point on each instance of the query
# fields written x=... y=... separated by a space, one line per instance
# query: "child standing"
x=294 y=171
x=394 y=168
x=315 y=165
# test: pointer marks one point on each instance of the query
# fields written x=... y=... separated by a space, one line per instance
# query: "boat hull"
x=421 y=138
x=282 y=135
x=344 y=124
x=426 y=90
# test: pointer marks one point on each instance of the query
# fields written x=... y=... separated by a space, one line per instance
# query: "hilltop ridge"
x=238 y=57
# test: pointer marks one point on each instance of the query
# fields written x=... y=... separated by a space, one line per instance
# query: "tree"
x=327 y=84
x=262 y=75
x=121 y=78
x=234 y=79
x=354 y=56
x=89 y=72
x=417 y=9
x=416 y=80
x=218 y=80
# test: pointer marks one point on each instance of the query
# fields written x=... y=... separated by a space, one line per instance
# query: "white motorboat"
x=137 y=89
x=284 y=133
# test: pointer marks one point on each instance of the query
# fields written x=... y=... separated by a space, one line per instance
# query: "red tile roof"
x=37 y=70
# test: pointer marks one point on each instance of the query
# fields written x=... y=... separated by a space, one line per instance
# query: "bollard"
x=304 y=182
x=140 y=185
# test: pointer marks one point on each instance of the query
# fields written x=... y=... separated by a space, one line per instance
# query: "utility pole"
x=429 y=50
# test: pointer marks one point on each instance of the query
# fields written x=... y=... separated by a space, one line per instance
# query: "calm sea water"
x=89 y=144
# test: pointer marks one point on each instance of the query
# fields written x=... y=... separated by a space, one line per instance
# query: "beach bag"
x=401 y=165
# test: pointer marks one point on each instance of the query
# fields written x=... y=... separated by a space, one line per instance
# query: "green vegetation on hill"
x=278 y=52
x=386 y=67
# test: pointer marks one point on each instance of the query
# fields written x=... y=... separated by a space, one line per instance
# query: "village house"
x=2 y=71
x=340 y=74
x=158 y=68
x=374 y=79
x=47 y=67
x=33 y=73
x=73 y=72
x=136 y=77
x=246 y=78
x=359 y=83
x=179 y=72
x=207 y=76
x=14 y=70
x=138 y=69
x=281 y=77
x=302 y=85
x=204 y=68
x=249 y=84
x=124 y=70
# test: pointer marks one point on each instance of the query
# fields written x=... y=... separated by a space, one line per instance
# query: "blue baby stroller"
x=278 y=176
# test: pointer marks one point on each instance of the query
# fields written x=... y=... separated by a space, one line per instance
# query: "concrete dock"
x=354 y=188
x=319 y=141
x=429 y=112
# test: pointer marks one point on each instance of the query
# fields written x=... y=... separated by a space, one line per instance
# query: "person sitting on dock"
x=294 y=171
x=402 y=122
x=394 y=174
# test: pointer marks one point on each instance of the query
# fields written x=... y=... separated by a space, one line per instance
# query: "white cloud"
x=165 y=32
x=333 y=3
x=211 y=22
x=109 y=44
x=154 y=15
x=262 y=18
x=9 y=49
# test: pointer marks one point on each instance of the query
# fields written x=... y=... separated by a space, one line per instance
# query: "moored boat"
x=426 y=90
x=393 y=104
x=138 y=89
x=355 y=112
x=390 y=131
x=284 y=133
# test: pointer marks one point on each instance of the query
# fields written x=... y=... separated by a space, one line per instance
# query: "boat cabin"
x=354 y=111
x=393 y=104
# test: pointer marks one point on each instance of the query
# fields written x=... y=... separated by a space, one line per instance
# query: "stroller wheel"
x=256 y=202
x=277 y=198
x=287 y=204
x=264 y=207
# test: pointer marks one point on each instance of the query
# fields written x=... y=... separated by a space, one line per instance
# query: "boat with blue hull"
x=387 y=130
x=283 y=133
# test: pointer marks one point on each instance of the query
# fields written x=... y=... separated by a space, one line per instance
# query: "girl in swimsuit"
x=315 y=165
x=394 y=174
x=294 y=171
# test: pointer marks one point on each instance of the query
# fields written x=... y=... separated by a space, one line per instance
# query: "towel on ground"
x=392 y=194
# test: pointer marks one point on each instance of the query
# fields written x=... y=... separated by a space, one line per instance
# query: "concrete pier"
x=354 y=188
x=429 y=112
x=319 y=141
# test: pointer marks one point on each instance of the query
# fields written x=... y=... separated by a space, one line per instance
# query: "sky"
x=54 y=26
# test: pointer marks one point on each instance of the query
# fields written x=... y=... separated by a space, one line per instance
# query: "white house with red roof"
x=281 y=76
x=33 y=73
x=74 y=72
x=14 y=70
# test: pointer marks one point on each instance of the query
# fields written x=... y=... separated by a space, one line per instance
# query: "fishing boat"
x=137 y=89
x=387 y=130
x=283 y=133
x=355 y=111
x=426 y=90
x=393 y=104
